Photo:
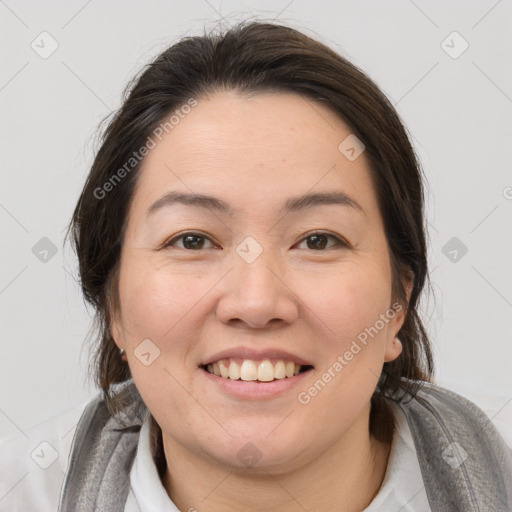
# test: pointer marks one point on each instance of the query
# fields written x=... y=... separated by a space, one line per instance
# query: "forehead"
x=266 y=125
x=254 y=150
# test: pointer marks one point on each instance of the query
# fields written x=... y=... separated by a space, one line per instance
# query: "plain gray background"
x=456 y=105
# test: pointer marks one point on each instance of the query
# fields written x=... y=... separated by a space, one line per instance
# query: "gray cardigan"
x=465 y=463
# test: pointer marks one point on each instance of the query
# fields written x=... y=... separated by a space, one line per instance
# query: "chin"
x=255 y=453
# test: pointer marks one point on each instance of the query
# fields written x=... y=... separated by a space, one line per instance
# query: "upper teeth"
x=249 y=369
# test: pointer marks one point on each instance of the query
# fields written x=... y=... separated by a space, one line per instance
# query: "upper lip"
x=256 y=355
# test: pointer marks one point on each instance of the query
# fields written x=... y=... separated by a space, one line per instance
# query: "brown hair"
x=250 y=58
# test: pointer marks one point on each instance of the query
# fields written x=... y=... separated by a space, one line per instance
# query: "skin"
x=255 y=153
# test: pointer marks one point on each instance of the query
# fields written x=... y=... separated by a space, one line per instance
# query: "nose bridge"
x=257 y=274
x=256 y=292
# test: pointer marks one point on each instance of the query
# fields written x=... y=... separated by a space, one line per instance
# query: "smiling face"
x=259 y=279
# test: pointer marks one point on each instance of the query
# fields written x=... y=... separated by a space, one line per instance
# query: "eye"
x=195 y=241
x=319 y=241
x=191 y=241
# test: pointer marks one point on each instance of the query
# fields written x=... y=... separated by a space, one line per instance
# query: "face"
x=256 y=283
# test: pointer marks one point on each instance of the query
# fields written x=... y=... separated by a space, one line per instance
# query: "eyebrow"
x=292 y=204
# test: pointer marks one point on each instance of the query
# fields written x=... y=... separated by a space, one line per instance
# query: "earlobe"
x=115 y=332
x=393 y=350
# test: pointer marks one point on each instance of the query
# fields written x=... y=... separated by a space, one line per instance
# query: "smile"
x=264 y=370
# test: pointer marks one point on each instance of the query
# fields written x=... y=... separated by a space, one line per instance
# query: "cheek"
x=154 y=299
x=350 y=302
x=353 y=339
x=156 y=305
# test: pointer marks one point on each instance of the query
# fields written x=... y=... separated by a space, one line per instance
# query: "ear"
x=114 y=310
x=116 y=332
x=393 y=344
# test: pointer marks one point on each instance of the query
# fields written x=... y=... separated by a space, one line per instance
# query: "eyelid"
x=176 y=237
x=340 y=241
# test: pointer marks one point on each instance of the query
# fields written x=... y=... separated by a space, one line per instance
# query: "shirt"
x=33 y=466
x=402 y=488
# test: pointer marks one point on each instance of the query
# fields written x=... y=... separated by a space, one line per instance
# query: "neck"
x=346 y=477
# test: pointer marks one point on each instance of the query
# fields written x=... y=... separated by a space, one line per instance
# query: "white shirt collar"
x=147 y=493
x=402 y=488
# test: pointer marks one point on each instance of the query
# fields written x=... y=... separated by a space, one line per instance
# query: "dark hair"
x=251 y=58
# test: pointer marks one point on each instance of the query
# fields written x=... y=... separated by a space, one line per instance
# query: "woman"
x=252 y=237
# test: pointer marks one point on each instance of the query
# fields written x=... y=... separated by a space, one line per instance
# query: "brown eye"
x=190 y=241
x=320 y=241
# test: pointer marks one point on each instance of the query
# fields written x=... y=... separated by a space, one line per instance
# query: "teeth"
x=224 y=370
x=279 y=370
x=248 y=370
x=234 y=370
x=266 y=371
x=263 y=371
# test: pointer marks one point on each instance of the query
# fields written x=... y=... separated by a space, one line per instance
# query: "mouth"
x=255 y=370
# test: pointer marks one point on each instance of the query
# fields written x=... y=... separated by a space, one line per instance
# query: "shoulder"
x=33 y=463
x=442 y=403
x=432 y=405
x=496 y=405
x=462 y=455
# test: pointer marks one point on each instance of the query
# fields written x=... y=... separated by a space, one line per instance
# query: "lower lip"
x=254 y=389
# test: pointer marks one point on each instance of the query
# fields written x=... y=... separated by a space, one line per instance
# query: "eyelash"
x=339 y=241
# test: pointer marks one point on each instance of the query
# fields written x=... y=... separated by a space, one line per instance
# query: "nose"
x=257 y=295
